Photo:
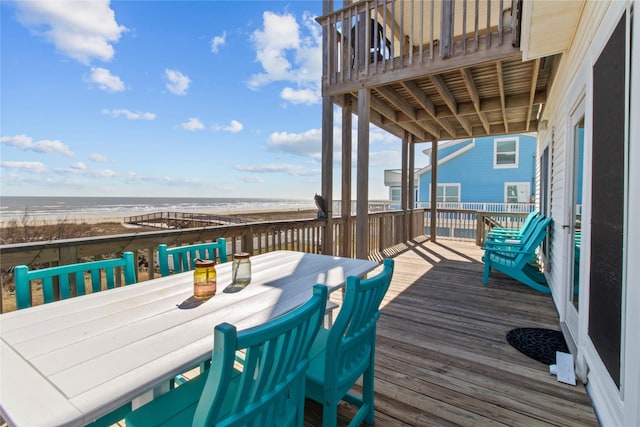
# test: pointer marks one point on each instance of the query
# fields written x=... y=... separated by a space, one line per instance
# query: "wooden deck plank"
x=442 y=357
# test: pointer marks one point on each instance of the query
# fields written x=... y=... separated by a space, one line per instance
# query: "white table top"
x=72 y=361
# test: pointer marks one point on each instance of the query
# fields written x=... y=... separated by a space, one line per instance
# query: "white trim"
x=576 y=320
x=631 y=410
x=495 y=153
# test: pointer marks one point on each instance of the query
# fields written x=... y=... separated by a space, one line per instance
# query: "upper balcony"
x=441 y=69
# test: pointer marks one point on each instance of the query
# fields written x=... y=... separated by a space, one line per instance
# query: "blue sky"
x=159 y=98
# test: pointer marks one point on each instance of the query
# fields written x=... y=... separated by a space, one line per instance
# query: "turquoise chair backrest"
x=270 y=388
x=71 y=278
x=352 y=338
x=532 y=241
x=184 y=257
x=528 y=221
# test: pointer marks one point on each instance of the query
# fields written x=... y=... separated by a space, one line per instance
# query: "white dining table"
x=73 y=361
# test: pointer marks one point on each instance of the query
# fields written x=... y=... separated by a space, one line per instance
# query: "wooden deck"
x=442 y=357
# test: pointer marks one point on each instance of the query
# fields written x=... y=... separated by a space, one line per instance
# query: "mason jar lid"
x=204 y=263
x=241 y=255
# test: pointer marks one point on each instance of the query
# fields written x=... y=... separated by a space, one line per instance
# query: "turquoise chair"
x=514 y=259
x=346 y=352
x=71 y=278
x=265 y=389
x=184 y=256
x=499 y=233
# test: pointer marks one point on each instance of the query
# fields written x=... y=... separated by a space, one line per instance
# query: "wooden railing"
x=372 y=37
x=258 y=237
x=386 y=229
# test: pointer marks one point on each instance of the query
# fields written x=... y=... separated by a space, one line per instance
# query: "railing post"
x=446 y=29
x=247 y=240
x=479 y=228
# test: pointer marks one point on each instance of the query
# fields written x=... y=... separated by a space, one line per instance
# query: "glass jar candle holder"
x=204 y=279
x=241 y=269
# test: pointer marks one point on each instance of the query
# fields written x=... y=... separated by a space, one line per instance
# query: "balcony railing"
x=386 y=230
x=373 y=37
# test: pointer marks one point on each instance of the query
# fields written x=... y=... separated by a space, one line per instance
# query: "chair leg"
x=330 y=414
x=368 y=394
x=487 y=271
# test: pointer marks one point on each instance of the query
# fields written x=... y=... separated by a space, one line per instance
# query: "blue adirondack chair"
x=346 y=352
x=499 y=233
x=514 y=258
x=71 y=278
x=184 y=256
x=267 y=389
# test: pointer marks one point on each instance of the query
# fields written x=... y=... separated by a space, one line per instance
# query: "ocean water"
x=111 y=207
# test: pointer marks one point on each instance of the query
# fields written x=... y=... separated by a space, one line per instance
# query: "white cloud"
x=301 y=96
x=218 y=41
x=287 y=53
x=177 y=83
x=389 y=159
x=289 y=169
x=80 y=169
x=45 y=146
x=192 y=124
x=98 y=158
x=79 y=166
x=105 y=80
x=35 y=167
x=82 y=30
x=306 y=144
x=130 y=115
x=235 y=126
x=252 y=179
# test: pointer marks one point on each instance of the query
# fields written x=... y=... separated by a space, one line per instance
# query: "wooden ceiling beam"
x=532 y=91
x=428 y=105
x=502 y=96
x=519 y=127
x=440 y=85
x=475 y=97
x=406 y=108
x=488 y=105
x=397 y=101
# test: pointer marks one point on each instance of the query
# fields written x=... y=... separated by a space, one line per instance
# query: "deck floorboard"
x=442 y=358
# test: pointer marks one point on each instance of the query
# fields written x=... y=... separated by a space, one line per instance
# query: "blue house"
x=488 y=169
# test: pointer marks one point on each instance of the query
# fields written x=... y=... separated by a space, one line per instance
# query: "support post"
x=362 y=187
x=404 y=186
x=434 y=188
x=412 y=186
x=347 y=135
x=327 y=141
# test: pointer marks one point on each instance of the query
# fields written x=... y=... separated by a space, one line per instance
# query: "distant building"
x=488 y=169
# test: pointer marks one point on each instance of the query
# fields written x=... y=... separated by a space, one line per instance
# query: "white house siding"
x=614 y=407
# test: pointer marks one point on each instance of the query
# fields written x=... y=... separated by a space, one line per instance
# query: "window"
x=448 y=193
x=505 y=152
x=395 y=193
x=517 y=192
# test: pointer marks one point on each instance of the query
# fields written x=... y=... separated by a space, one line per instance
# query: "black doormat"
x=537 y=343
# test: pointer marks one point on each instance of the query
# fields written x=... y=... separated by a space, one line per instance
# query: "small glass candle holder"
x=241 y=270
x=204 y=279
